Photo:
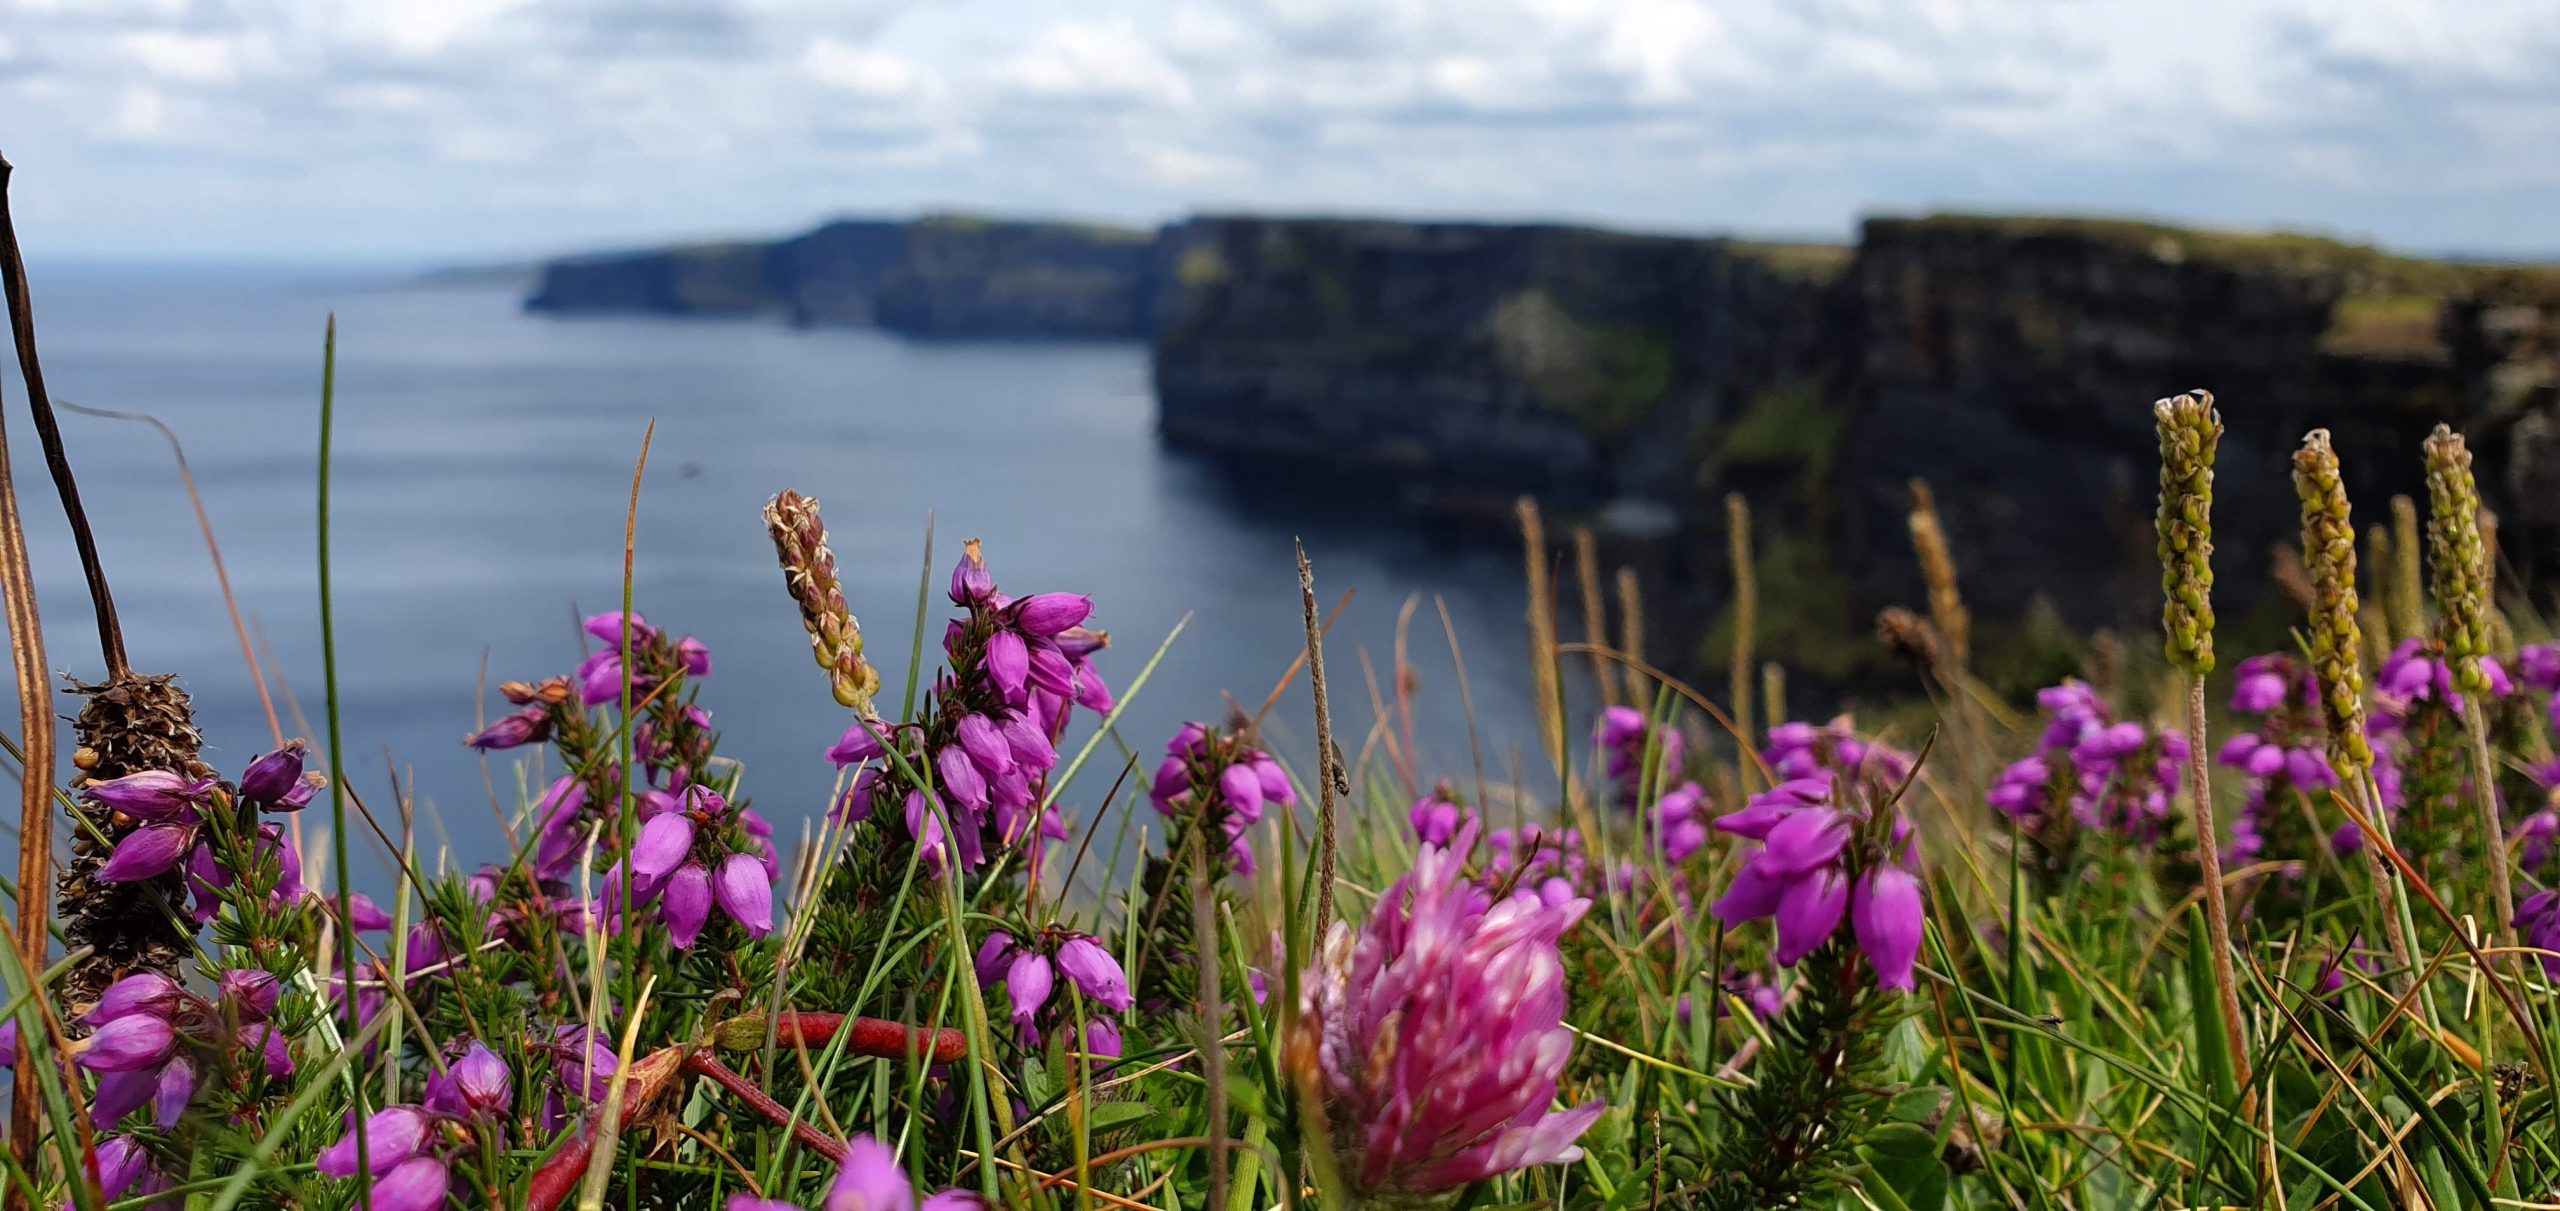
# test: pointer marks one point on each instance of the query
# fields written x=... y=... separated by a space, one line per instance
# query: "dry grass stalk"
x=2404 y=599
x=1542 y=630
x=1938 y=568
x=1631 y=637
x=1595 y=610
x=809 y=572
x=1773 y=693
x=1746 y=602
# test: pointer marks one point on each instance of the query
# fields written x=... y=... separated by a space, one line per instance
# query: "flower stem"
x=2209 y=857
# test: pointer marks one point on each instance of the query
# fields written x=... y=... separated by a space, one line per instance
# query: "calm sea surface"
x=484 y=462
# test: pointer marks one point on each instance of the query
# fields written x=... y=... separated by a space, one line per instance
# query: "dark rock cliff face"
x=1555 y=360
x=941 y=276
x=2009 y=362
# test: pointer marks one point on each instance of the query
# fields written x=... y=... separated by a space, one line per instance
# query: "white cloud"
x=464 y=126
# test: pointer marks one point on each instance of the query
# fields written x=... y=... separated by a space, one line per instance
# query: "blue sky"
x=441 y=129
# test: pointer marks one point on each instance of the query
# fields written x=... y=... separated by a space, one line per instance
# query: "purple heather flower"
x=272 y=780
x=153 y=795
x=744 y=890
x=1045 y=615
x=1027 y=982
x=148 y=852
x=1800 y=877
x=586 y=1059
x=2537 y=838
x=696 y=658
x=475 y=1083
x=125 y=1171
x=1625 y=734
x=607 y=629
x=685 y=904
x=1438 y=1031
x=871 y=1180
x=1094 y=970
x=531 y=725
x=1676 y=822
x=2538 y=923
x=1437 y=816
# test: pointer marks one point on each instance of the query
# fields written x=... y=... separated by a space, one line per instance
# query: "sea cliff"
x=2008 y=361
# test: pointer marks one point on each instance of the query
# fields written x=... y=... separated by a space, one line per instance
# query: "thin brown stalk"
x=2406 y=577
x=1746 y=603
x=1938 y=569
x=1595 y=613
x=1329 y=776
x=1631 y=635
x=1542 y=630
x=22 y=332
x=213 y=548
x=1213 y=1014
x=35 y=722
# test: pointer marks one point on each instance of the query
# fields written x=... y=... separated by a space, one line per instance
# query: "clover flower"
x=1819 y=863
x=1436 y=1032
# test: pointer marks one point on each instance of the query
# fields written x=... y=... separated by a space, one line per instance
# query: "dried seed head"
x=1910 y=637
x=130 y=724
x=2459 y=558
x=2403 y=580
x=2337 y=641
x=2190 y=429
x=1938 y=567
x=809 y=571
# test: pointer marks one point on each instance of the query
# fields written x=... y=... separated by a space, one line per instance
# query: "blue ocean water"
x=483 y=469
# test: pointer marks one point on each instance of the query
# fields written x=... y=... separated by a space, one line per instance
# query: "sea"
x=483 y=473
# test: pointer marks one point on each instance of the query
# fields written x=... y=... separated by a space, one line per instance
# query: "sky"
x=440 y=130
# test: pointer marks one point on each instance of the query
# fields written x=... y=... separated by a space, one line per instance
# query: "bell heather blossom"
x=986 y=739
x=2112 y=776
x=411 y=1149
x=1217 y=776
x=1438 y=815
x=694 y=856
x=1803 y=750
x=871 y=1180
x=530 y=725
x=1436 y=1031
x=1676 y=823
x=1820 y=862
x=1625 y=734
x=1030 y=971
x=152 y=1041
x=2538 y=925
x=1548 y=864
x=2285 y=760
x=2418 y=672
x=126 y=1170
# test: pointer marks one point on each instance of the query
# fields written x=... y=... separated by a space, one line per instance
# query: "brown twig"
x=22 y=331
x=1329 y=776
x=35 y=718
x=221 y=573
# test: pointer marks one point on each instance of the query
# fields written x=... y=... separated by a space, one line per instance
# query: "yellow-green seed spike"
x=2458 y=558
x=2337 y=639
x=2190 y=430
x=809 y=571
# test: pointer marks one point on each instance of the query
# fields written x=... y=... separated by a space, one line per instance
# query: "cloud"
x=465 y=127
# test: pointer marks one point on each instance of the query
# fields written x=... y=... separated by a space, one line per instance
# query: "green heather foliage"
x=1023 y=958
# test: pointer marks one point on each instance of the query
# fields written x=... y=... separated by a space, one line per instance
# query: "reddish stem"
x=863 y=1036
x=701 y=1063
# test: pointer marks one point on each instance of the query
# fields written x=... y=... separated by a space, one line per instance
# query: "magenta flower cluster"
x=175 y=827
x=2113 y=776
x=152 y=1041
x=1029 y=971
x=1437 y=1030
x=692 y=856
x=2416 y=671
x=869 y=1180
x=2284 y=757
x=1626 y=737
x=1438 y=815
x=1819 y=862
x=1806 y=750
x=1216 y=776
x=409 y=1151
x=1018 y=668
